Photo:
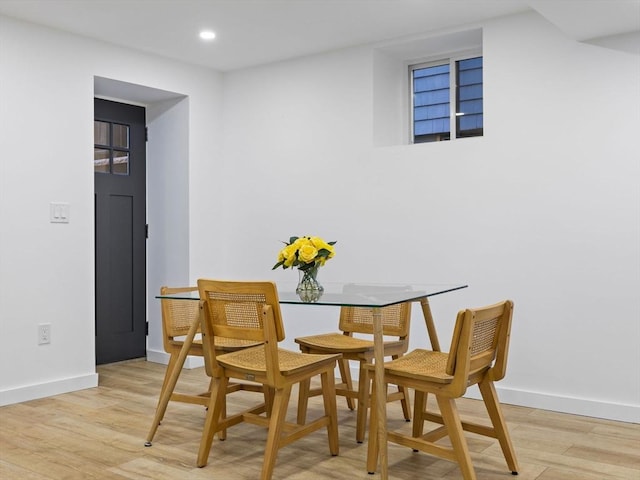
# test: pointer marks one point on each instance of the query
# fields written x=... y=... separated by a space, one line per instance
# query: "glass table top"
x=351 y=294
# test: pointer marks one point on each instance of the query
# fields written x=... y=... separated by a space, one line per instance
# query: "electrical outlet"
x=44 y=333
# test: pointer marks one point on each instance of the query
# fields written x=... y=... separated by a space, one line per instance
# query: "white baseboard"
x=160 y=356
x=576 y=406
x=47 y=389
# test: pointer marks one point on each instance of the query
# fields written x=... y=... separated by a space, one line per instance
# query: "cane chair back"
x=395 y=320
x=478 y=355
x=479 y=345
x=252 y=310
x=177 y=317
x=235 y=309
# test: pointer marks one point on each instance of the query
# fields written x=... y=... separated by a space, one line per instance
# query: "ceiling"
x=254 y=32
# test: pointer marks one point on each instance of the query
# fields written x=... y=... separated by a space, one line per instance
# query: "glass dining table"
x=374 y=296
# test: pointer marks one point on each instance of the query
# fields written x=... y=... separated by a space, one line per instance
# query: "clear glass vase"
x=309 y=289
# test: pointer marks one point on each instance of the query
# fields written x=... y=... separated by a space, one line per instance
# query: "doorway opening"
x=167 y=193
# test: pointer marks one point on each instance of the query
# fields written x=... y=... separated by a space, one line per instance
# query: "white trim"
x=160 y=356
x=575 y=406
x=48 y=389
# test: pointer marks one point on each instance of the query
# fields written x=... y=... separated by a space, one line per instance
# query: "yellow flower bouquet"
x=307 y=254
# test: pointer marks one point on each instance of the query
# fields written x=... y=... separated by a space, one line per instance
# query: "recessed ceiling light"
x=207 y=35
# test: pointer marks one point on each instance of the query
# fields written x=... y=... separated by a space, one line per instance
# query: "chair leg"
x=345 y=375
x=276 y=423
x=330 y=410
x=168 y=385
x=363 y=402
x=451 y=419
x=490 y=397
x=222 y=434
x=304 y=389
x=418 y=413
x=404 y=399
x=303 y=400
x=372 y=450
x=269 y=393
x=171 y=381
x=214 y=412
x=406 y=403
x=173 y=359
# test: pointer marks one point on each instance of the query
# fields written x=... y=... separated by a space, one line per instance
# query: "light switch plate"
x=59 y=212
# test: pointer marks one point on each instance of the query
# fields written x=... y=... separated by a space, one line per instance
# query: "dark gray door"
x=120 y=231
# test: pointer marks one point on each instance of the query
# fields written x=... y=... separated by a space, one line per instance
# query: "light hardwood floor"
x=99 y=434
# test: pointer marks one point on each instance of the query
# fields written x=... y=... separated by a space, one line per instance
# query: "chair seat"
x=422 y=364
x=252 y=360
x=339 y=343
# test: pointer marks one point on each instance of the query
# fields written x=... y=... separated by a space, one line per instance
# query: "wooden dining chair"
x=354 y=321
x=478 y=355
x=178 y=317
x=251 y=310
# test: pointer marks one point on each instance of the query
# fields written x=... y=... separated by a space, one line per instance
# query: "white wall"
x=46 y=140
x=543 y=209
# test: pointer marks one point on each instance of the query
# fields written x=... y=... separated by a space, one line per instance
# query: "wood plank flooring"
x=99 y=434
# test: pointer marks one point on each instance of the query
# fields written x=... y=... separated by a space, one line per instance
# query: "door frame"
x=167 y=216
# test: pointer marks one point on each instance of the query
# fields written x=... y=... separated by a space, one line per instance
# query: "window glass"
x=469 y=118
x=120 y=163
x=120 y=136
x=101 y=132
x=101 y=158
x=431 y=103
x=438 y=85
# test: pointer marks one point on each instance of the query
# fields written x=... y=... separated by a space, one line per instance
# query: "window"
x=434 y=90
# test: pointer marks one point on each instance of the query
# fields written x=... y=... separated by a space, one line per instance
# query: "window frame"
x=112 y=148
x=451 y=60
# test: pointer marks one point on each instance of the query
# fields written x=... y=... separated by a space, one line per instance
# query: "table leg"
x=381 y=397
x=173 y=379
x=431 y=328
